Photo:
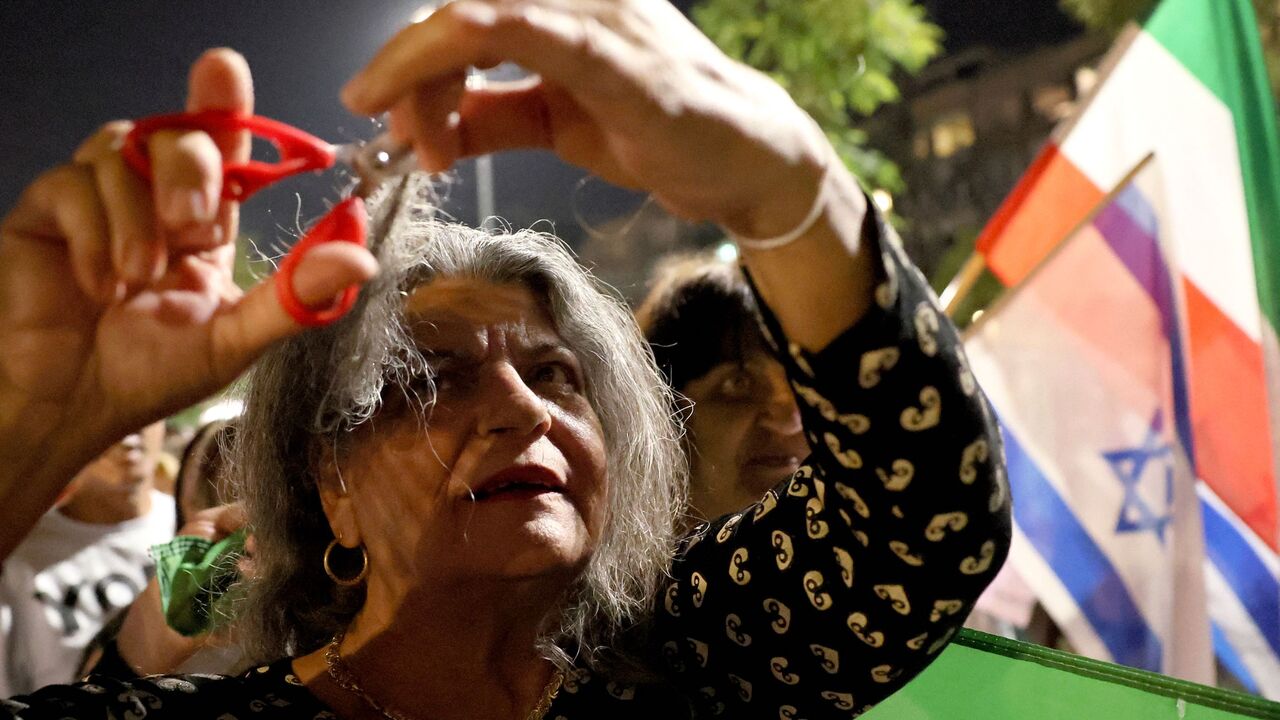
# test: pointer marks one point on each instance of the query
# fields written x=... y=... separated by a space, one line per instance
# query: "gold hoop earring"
x=346 y=582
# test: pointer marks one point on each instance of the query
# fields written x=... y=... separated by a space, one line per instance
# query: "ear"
x=339 y=506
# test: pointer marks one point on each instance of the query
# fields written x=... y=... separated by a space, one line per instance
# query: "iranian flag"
x=1189 y=87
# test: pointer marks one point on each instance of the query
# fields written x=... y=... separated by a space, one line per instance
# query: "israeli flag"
x=1084 y=364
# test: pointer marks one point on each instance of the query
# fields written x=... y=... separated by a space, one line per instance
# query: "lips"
x=772 y=460
x=519 y=481
x=772 y=452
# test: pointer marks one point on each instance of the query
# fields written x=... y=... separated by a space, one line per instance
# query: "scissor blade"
x=376 y=162
x=388 y=211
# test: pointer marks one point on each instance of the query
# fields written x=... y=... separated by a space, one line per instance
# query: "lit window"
x=952 y=133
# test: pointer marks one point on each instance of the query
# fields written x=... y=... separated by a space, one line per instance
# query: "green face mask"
x=196 y=578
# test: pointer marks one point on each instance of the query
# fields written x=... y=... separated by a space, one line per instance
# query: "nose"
x=780 y=413
x=509 y=405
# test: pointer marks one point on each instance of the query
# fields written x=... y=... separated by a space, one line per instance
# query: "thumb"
x=244 y=332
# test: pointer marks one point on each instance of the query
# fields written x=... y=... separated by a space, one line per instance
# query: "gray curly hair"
x=311 y=391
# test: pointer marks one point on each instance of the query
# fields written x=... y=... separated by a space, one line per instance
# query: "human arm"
x=847 y=580
x=117 y=306
x=631 y=91
x=146 y=643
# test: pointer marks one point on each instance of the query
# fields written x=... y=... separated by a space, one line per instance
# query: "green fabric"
x=195 y=576
x=1218 y=42
x=983 y=677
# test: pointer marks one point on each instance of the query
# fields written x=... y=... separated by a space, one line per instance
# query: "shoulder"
x=272 y=690
x=54 y=537
x=164 y=509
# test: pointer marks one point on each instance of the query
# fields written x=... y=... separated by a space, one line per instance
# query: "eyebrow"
x=551 y=346
x=434 y=354
x=547 y=347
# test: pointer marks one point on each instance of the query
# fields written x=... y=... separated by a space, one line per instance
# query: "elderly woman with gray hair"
x=467 y=494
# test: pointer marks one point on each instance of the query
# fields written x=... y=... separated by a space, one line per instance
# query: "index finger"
x=220 y=80
x=560 y=44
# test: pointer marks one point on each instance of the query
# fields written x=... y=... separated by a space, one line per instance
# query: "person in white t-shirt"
x=86 y=560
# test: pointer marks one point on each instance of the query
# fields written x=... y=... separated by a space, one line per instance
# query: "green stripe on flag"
x=1218 y=42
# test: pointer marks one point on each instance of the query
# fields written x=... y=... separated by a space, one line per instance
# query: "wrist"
x=38 y=458
x=817 y=208
x=788 y=200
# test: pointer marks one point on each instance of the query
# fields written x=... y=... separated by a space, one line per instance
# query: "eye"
x=737 y=385
x=447 y=376
x=555 y=374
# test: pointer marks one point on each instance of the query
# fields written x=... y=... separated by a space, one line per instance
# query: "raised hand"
x=627 y=89
x=631 y=91
x=116 y=300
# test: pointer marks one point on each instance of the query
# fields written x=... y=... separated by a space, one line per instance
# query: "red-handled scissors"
x=374 y=163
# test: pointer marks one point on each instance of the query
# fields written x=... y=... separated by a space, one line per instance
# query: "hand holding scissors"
x=117 y=305
x=374 y=163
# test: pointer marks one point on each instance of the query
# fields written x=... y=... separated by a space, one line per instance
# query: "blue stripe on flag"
x=1227 y=655
x=1095 y=586
x=1244 y=571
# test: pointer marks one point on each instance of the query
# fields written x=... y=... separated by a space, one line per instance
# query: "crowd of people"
x=489 y=490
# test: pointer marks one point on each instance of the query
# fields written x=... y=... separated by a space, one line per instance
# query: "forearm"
x=868 y=559
x=820 y=284
x=35 y=467
x=147 y=643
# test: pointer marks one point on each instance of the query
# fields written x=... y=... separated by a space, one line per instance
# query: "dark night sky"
x=70 y=65
x=1009 y=24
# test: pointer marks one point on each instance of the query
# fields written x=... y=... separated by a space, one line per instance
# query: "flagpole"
x=962 y=284
x=1106 y=200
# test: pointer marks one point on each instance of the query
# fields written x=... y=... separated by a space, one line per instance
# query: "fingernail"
x=477 y=13
x=202 y=236
x=187 y=206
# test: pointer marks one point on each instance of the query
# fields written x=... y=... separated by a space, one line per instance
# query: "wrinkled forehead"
x=470 y=315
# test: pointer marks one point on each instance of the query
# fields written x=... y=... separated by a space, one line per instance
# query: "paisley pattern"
x=782 y=549
x=872 y=554
x=269 y=691
x=899 y=478
x=833 y=591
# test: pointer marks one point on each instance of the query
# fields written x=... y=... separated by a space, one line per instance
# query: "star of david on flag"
x=1084 y=365
x=1130 y=466
x=1187 y=86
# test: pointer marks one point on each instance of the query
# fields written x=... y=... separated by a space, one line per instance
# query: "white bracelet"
x=815 y=212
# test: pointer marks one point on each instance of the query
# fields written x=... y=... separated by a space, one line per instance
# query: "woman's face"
x=745 y=432
x=505 y=478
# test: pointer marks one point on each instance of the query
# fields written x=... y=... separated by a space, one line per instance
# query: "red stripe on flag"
x=1229 y=414
x=1046 y=205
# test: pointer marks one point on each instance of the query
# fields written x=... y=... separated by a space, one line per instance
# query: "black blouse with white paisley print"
x=829 y=594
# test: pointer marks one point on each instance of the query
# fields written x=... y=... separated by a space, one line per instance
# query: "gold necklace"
x=341 y=674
